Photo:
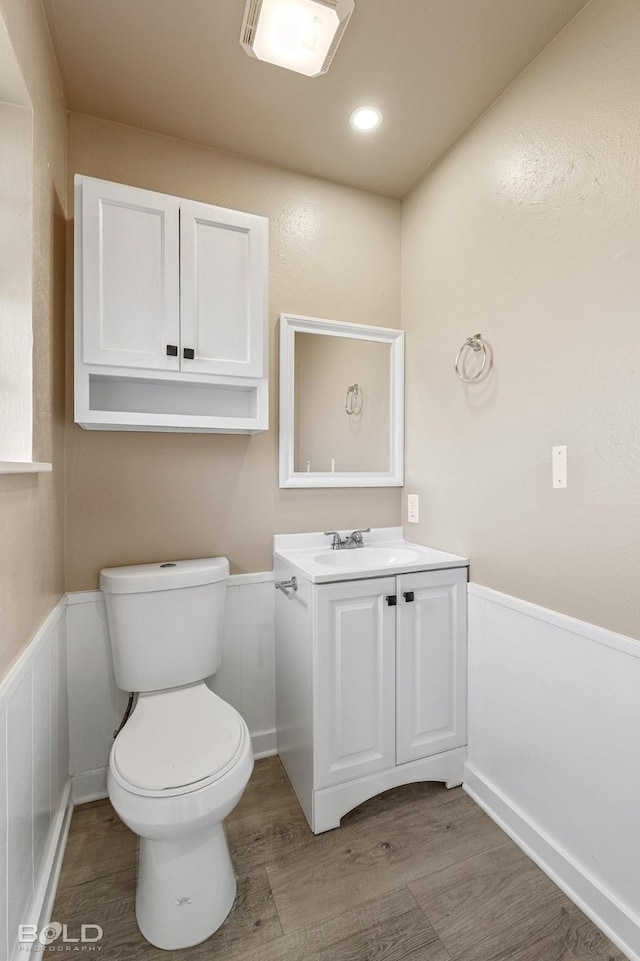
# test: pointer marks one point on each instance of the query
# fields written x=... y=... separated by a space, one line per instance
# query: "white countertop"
x=385 y=553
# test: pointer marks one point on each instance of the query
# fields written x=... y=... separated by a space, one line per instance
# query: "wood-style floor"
x=417 y=874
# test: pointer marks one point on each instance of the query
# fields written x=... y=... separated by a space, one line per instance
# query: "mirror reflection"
x=342 y=389
x=341 y=404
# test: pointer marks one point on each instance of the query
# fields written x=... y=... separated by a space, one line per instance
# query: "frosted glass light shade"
x=299 y=35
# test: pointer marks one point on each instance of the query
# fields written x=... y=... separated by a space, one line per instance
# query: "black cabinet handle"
x=188 y=353
x=391 y=600
x=172 y=350
x=408 y=596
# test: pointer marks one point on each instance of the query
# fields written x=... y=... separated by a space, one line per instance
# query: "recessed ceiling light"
x=300 y=35
x=365 y=118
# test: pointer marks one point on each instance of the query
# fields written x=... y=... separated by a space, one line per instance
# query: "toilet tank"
x=165 y=621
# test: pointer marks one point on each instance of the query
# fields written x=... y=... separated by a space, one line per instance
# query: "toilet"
x=182 y=761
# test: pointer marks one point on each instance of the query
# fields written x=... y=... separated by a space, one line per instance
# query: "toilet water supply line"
x=132 y=696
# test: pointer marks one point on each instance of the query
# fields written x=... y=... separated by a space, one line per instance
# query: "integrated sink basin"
x=385 y=553
x=364 y=558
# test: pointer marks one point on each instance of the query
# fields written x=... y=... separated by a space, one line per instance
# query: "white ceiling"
x=176 y=67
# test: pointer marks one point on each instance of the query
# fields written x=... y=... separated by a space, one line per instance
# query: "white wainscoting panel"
x=554 y=750
x=34 y=785
x=247 y=677
x=96 y=705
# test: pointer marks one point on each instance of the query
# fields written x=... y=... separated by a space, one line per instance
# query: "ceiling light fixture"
x=365 y=119
x=300 y=35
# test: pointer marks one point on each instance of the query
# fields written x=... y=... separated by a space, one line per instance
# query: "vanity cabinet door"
x=223 y=290
x=354 y=686
x=431 y=663
x=130 y=276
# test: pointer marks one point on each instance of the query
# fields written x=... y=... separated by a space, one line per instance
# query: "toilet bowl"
x=183 y=759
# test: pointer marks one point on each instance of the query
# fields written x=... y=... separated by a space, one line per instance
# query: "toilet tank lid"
x=163 y=576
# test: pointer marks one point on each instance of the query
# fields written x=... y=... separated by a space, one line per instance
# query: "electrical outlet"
x=559 y=466
x=413 y=508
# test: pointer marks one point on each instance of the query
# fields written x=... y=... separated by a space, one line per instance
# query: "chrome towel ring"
x=353 y=400
x=476 y=343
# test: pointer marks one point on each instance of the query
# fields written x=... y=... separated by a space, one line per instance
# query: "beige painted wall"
x=334 y=252
x=529 y=231
x=32 y=507
x=16 y=244
x=324 y=368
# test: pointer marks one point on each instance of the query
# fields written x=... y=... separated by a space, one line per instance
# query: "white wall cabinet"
x=371 y=686
x=222 y=290
x=131 y=276
x=171 y=312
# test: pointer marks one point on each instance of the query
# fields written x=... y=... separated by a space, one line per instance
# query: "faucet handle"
x=355 y=537
x=337 y=540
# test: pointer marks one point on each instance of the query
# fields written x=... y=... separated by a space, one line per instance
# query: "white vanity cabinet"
x=431 y=664
x=171 y=312
x=354 y=686
x=371 y=686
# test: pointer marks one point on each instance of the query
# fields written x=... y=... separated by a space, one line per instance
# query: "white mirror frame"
x=394 y=477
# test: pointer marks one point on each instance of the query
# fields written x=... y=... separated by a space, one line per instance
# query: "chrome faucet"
x=347 y=543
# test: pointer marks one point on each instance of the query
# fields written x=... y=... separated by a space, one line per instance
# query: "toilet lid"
x=176 y=738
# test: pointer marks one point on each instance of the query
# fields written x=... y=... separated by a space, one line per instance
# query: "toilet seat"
x=178 y=741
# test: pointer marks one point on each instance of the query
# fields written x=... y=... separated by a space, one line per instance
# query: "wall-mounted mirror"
x=341 y=404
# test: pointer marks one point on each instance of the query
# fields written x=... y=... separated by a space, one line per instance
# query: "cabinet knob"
x=188 y=353
x=391 y=600
x=408 y=596
x=172 y=350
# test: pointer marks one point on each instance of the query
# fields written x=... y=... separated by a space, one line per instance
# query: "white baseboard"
x=613 y=918
x=53 y=861
x=90 y=786
x=264 y=744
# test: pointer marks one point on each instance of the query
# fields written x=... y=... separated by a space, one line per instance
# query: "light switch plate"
x=413 y=508
x=559 y=466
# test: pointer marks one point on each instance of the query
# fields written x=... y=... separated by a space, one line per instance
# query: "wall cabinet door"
x=354 y=683
x=130 y=277
x=223 y=293
x=431 y=663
